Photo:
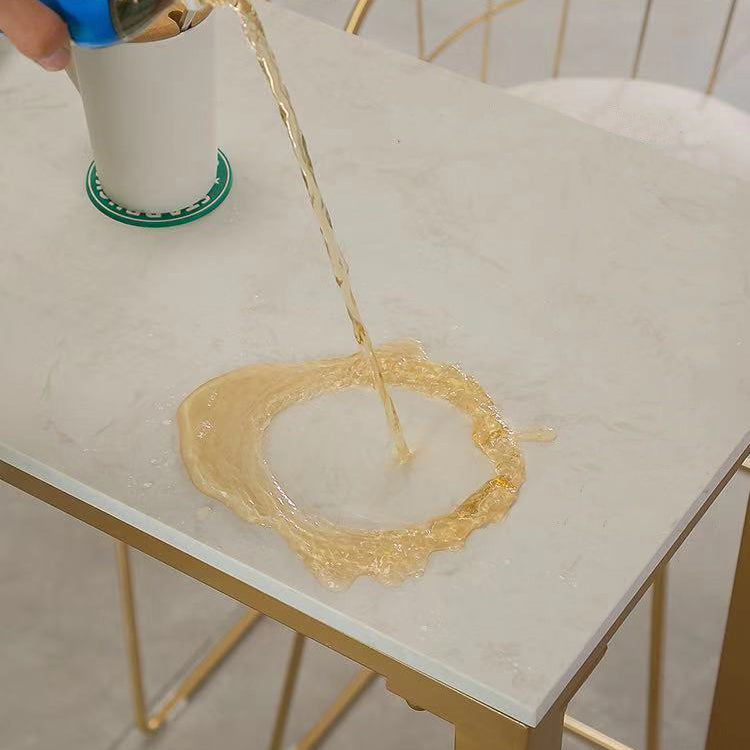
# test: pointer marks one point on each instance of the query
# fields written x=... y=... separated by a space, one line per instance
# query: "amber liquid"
x=253 y=29
x=222 y=426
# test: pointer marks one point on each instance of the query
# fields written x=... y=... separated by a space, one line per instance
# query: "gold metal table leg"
x=336 y=711
x=131 y=636
x=655 y=683
x=729 y=728
x=547 y=735
x=198 y=674
x=287 y=693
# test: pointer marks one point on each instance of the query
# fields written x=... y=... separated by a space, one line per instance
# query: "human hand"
x=36 y=31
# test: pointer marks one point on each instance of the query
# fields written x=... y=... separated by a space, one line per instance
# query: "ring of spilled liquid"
x=223 y=422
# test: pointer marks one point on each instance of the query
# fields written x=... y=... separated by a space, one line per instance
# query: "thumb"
x=36 y=31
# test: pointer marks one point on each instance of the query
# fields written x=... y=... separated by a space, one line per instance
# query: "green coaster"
x=219 y=190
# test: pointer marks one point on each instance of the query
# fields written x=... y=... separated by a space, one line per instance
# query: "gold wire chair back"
x=362 y=7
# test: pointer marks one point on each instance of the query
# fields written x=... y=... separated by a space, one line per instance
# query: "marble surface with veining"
x=589 y=283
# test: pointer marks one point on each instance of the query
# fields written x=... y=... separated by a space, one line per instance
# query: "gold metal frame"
x=593 y=736
x=492 y=10
x=362 y=8
x=197 y=676
x=718 y=58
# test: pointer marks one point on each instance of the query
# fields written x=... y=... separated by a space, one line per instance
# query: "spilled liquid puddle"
x=222 y=423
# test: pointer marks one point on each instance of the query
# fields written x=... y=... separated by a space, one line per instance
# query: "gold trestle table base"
x=354 y=690
x=197 y=675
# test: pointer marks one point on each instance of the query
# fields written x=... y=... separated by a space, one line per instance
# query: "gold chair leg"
x=561 y=33
x=357 y=16
x=486 y=44
x=722 y=47
x=656 y=660
x=420 y=30
x=454 y=36
x=198 y=674
x=641 y=39
x=729 y=728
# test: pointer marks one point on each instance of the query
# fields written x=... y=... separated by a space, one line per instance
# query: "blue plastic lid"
x=89 y=21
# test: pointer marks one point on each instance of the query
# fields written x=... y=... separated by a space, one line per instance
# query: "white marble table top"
x=589 y=283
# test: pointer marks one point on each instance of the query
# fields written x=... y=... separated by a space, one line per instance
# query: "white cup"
x=151 y=115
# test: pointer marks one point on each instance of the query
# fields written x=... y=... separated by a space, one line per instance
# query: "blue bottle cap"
x=89 y=21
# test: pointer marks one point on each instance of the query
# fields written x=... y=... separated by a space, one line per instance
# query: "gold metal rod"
x=287 y=693
x=204 y=668
x=722 y=47
x=561 y=38
x=337 y=710
x=131 y=635
x=461 y=30
x=641 y=39
x=656 y=659
x=728 y=727
x=357 y=16
x=593 y=736
x=420 y=30
x=486 y=44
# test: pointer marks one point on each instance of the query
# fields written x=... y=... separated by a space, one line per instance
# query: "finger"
x=36 y=31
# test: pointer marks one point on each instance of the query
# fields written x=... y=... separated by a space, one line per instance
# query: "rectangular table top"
x=588 y=283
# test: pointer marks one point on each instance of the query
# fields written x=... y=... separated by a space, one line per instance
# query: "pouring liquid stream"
x=253 y=30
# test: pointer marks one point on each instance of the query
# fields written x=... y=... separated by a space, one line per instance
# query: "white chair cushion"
x=683 y=123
